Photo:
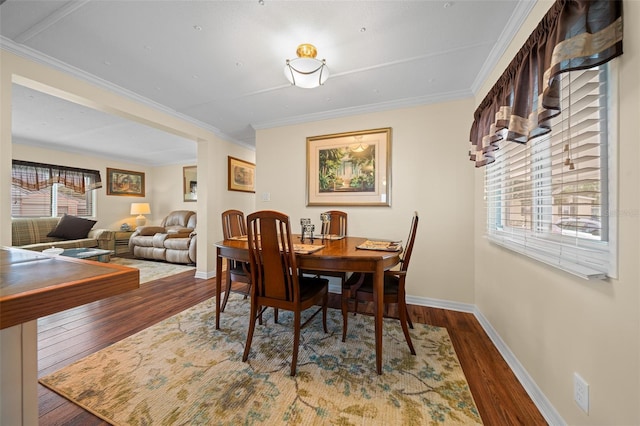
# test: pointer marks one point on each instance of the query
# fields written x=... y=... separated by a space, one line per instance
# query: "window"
x=41 y=190
x=550 y=198
x=54 y=200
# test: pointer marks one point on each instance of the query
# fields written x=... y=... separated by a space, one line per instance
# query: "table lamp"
x=140 y=209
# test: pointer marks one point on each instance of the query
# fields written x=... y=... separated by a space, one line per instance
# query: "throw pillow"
x=72 y=228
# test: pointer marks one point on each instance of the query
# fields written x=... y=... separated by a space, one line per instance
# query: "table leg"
x=218 y=286
x=378 y=299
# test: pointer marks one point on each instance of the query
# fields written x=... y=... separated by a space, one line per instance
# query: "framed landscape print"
x=125 y=182
x=349 y=169
x=242 y=175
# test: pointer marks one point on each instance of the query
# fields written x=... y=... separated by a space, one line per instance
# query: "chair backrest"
x=274 y=271
x=338 y=224
x=177 y=218
x=233 y=224
x=406 y=256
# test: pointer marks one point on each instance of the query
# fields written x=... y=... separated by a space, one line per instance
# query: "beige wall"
x=429 y=174
x=557 y=324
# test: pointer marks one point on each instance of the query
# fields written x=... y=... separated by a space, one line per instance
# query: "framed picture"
x=125 y=182
x=190 y=183
x=242 y=175
x=349 y=169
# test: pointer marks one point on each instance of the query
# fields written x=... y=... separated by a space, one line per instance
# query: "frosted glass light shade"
x=306 y=71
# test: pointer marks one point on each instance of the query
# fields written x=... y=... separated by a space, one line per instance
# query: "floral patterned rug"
x=150 y=270
x=183 y=371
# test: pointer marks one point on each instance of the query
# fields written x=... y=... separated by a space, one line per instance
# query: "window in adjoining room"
x=44 y=190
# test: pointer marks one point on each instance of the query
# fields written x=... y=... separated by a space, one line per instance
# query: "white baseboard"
x=205 y=275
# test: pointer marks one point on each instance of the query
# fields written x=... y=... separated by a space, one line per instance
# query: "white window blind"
x=549 y=198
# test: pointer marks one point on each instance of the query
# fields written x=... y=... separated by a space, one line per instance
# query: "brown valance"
x=573 y=35
x=36 y=176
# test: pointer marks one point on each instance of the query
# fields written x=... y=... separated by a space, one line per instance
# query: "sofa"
x=173 y=241
x=33 y=233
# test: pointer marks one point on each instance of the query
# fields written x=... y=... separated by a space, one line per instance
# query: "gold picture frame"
x=190 y=183
x=125 y=182
x=241 y=175
x=349 y=169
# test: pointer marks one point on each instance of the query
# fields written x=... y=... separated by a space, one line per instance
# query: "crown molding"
x=40 y=58
x=511 y=28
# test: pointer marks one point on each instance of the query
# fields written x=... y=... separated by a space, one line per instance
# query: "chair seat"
x=239 y=271
x=310 y=286
x=391 y=283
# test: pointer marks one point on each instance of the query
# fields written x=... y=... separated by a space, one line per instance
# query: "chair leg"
x=226 y=291
x=409 y=319
x=252 y=325
x=325 y=303
x=296 y=342
x=402 y=312
x=345 y=314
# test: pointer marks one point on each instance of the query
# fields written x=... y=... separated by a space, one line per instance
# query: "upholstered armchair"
x=173 y=241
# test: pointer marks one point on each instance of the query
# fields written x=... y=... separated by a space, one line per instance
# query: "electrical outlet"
x=581 y=392
x=266 y=196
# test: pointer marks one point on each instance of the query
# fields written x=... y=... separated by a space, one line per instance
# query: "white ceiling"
x=220 y=63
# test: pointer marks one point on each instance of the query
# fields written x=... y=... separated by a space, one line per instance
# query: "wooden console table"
x=33 y=285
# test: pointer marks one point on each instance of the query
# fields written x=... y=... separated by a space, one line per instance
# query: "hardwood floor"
x=71 y=335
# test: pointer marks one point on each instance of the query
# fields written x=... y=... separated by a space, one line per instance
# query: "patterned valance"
x=573 y=35
x=36 y=176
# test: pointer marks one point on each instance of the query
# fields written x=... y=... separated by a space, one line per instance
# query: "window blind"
x=548 y=198
x=40 y=190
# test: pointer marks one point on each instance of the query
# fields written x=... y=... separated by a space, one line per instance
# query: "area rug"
x=183 y=371
x=150 y=270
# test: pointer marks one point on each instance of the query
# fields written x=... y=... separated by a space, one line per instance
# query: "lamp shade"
x=140 y=208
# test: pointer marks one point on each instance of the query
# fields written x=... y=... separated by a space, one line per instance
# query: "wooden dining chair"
x=277 y=282
x=337 y=226
x=233 y=225
x=359 y=287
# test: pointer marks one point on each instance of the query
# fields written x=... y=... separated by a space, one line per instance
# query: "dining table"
x=334 y=254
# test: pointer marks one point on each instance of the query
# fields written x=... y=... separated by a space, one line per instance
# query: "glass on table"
x=303 y=223
x=325 y=218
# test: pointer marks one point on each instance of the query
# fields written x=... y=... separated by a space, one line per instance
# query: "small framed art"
x=125 y=182
x=242 y=175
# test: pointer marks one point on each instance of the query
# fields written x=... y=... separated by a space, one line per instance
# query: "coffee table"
x=88 y=253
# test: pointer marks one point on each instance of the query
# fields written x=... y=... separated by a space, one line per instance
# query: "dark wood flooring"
x=71 y=335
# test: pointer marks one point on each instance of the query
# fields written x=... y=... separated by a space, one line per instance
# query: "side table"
x=122 y=242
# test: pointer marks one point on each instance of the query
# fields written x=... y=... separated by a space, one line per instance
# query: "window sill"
x=573 y=268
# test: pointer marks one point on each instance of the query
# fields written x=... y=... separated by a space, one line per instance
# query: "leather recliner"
x=173 y=241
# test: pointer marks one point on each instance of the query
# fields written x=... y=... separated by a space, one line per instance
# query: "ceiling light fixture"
x=306 y=71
